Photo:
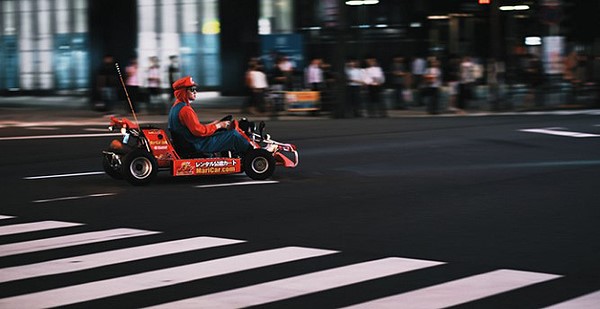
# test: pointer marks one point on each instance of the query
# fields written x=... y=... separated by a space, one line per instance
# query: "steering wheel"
x=227 y=118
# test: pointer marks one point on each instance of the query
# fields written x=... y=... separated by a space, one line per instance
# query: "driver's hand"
x=223 y=124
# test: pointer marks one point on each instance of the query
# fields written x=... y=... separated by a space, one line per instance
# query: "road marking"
x=460 y=291
x=43 y=128
x=34 y=227
x=70 y=240
x=71 y=198
x=16 y=138
x=536 y=164
x=303 y=284
x=82 y=262
x=63 y=175
x=591 y=300
x=159 y=278
x=559 y=133
x=446 y=294
x=243 y=183
x=63 y=123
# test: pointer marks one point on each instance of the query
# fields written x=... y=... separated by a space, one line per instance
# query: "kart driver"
x=184 y=124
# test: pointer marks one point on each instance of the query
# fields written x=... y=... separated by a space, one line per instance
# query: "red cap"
x=184 y=82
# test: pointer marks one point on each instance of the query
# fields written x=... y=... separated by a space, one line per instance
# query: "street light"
x=522 y=7
x=362 y=2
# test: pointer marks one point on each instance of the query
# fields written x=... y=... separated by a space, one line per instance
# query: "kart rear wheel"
x=111 y=169
x=259 y=164
x=139 y=167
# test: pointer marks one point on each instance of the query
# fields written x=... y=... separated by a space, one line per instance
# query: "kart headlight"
x=271 y=148
x=115 y=144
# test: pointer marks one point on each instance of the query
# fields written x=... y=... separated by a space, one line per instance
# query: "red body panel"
x=165 y=154
x=160 y=146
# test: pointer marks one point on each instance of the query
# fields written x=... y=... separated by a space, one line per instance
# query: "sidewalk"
x=210 y=106
x=66 y=108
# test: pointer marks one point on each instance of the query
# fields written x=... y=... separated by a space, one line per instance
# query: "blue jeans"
x=222 y=141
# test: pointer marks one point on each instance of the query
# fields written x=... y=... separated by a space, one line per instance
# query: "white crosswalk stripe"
x=82 y=262
x=591 y=300
x=159 y=278
x=70 y=240
x=303 y=284
x=446 y=294
x=34 y=227
x=471 y=288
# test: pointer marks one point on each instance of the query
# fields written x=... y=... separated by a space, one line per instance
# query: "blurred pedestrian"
x=132 y=83
x=249 y=102
x=399 y=75
x=258 y=85
x=495 y=78
x=466 y=83
x=570 y=64
x=535 y=80
x=432 y=80
x=575 y=72
x=451 y=77
x=596 y=79
x=313 y=74
x=279 y=81
x=287 y=69
x=374 y=79
x=278 y=76
x=174 y=70
x=106 y=85
x=155 y=101
x=329 y=80
x=354 y=82
x=418 y=67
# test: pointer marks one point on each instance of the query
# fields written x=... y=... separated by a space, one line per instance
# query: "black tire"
x=259 y=164
x=139 y=167
x=110 y=169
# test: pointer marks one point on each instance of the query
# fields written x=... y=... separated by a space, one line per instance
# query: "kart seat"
x=185 y=149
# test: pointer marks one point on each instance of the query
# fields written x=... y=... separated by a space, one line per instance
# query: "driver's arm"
x=188 y=117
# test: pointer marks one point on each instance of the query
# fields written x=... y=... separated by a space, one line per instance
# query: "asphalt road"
x=428 y=212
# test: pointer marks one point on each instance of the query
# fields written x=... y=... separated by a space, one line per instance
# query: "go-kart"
x=142 y=151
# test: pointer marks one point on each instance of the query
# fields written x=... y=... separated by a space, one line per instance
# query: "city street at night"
x=489 y=211
x=418 y=154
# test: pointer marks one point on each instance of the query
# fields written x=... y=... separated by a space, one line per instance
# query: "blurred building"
x=58 y=45
x=44 y=45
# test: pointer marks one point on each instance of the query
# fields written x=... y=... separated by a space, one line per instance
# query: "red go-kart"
x=142 y=151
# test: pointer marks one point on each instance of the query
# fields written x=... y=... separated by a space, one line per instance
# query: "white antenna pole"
x=127 y=94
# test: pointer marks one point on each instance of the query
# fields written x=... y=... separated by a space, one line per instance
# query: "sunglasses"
x=193 y=89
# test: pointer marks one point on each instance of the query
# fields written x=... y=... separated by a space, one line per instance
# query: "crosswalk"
x=472 y=288
x=455 y=291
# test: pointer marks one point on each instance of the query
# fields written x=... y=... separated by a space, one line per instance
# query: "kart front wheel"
x=139 y=167
x=111 y=168
x=259 y=164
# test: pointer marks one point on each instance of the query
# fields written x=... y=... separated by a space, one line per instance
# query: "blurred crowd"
x=439 y=85
x=145 y=95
